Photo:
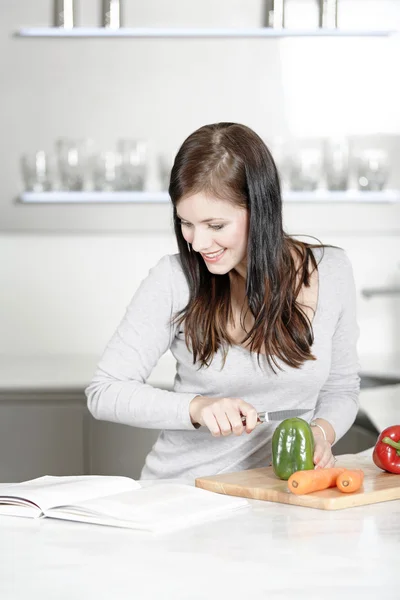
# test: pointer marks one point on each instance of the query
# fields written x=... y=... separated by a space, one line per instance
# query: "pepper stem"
x=392 y=443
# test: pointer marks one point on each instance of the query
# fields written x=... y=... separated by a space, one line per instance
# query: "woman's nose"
x=202 y=240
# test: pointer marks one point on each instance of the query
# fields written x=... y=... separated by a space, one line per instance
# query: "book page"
x=48 y=491
x=158 y=508
x=20 y=510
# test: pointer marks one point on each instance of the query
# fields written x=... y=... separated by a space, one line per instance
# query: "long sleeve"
x=118 y=391
x=338 y=400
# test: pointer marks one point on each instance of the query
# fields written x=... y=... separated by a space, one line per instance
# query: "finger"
x=326 y=459
x=223 y=422
x=331 y=462
x=323 y=462
x=250 y=414
x=211 y=422
x=322 y=453
x=318 y=453
x=235 y=419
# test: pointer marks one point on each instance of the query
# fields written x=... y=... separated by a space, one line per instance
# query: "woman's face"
x=217 y=229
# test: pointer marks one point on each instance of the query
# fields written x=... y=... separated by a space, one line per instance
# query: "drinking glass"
x=305 y=169
x=279 y=148
x=328 y=13
x=372 y=169
x=164 y=170
x=133 y=164
x=74 y=157
x=106 y=171
x=111 y=14
x=64 y=13
x=274 y=14
x=337 y=163
x=38 y=171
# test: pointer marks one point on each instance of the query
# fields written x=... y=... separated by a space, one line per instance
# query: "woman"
x=256 y=320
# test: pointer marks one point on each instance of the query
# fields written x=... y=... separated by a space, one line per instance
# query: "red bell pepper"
x=386 y=453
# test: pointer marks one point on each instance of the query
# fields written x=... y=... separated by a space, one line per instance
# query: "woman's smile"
x=214 y=256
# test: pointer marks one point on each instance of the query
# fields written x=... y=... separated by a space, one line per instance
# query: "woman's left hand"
x=323 y=457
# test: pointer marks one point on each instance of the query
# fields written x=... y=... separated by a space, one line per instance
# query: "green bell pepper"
x=292 y=447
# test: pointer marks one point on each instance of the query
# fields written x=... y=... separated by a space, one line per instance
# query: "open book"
x=116 y=501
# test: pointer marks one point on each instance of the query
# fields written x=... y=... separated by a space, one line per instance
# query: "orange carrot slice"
x=350 y=481
x=304 y=482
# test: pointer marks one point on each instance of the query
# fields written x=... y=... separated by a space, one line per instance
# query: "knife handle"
x=260 y=418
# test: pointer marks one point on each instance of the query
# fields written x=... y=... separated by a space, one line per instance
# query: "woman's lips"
x=214 y=259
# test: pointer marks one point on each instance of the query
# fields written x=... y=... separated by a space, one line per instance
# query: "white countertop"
x=273 y=551
x=74 y=371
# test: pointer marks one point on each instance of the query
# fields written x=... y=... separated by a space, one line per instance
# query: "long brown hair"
x=231 y=162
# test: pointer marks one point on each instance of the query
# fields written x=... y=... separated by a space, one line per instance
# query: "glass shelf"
x=196 y=32
x=321 y=196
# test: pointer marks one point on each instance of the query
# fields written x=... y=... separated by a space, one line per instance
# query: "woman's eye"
x=214 y=227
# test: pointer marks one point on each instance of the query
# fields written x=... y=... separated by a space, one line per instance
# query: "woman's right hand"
x=223 y=416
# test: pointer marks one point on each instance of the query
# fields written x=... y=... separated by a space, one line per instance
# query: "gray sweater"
x=327 y=387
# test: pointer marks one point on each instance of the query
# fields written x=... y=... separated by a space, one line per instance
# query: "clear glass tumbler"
x=106 y=171
x=165 y=163
x=133 y=164
x=38 y=171
x=111 y=14
x=281 y=150
x=305 y=169
x=337 y=153
x=64 y=13
x=372 y=169
x=74 y=158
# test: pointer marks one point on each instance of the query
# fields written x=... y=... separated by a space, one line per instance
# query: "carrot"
x=350 y=481
x=304 y=482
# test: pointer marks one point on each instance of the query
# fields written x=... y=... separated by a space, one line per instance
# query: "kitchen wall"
x=64 y=292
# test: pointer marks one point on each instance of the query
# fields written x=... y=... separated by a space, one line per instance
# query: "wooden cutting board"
x=262 y=484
